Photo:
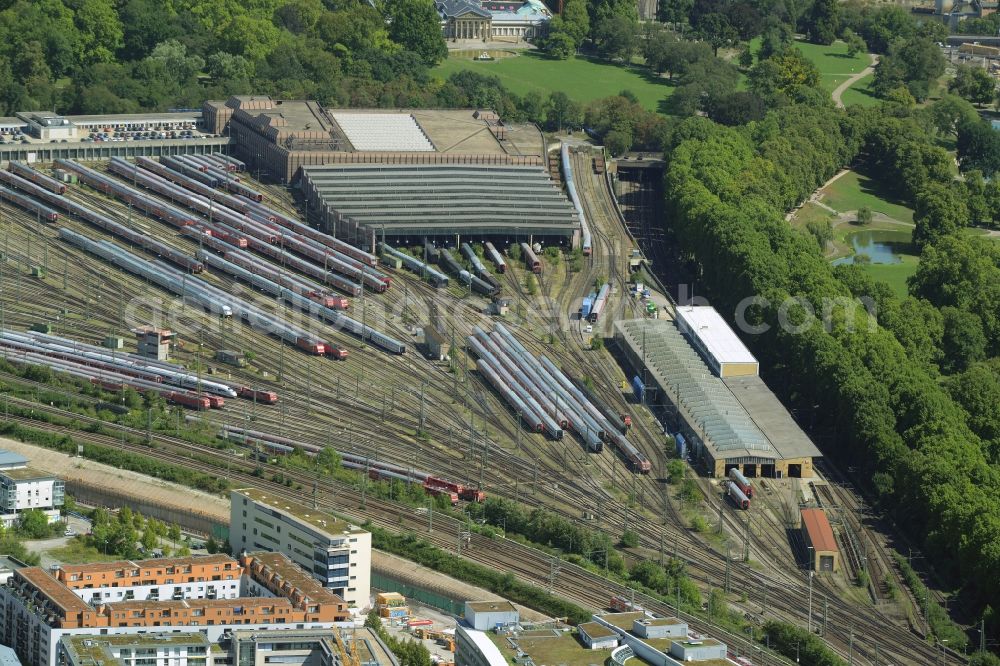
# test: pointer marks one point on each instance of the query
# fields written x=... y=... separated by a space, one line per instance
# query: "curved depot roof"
x=398 y=197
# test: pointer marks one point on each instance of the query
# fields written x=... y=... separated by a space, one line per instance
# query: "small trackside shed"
x=597 y=637
x=820 y=542
x=718 y=344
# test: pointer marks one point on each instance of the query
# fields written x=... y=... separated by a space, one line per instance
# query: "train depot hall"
x=708 y=382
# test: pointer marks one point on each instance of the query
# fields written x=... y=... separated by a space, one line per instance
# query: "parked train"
x=42 y=211
x=599 y=303
x=737 y=496
x=496 y=257
x=585 y=241
x=741 y=482
x=530 y=259
x=37 y=177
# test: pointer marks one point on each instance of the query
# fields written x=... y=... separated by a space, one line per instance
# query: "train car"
x=434 y=276
x=263 y=397
x=530 y=259
x=585 y=239
x=623 y=605
x=638 y=388
x=599 y=303
x=37 y=177
x=621 y=421
x=43 y=212
x=680 y=446
x=587 y=305
x=496 y=257
x=741 y=481
x=737 y=496
x=526 y=415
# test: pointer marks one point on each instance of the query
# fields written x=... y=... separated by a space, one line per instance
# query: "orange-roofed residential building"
x=212 y=594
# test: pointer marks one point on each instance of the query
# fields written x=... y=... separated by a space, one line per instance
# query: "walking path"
x=854 y=79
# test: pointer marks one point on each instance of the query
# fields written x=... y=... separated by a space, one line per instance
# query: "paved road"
x=854 y=79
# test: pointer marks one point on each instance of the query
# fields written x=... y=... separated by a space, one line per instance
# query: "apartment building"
x=23 y=487
x=337 y=553
x=215 y=593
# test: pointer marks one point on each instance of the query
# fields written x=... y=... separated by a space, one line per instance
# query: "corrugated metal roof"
x=720 y=341
x=819 y=530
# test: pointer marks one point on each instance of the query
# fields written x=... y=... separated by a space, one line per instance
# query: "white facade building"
x=337 y=553
x=23 y=487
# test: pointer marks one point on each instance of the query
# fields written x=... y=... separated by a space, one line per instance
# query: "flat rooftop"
x=326 y=523
x=97 y=649
x=664 y=622
x=26 y=474
x=596 y=630
x=154 y=563
x=550 y=647
x=719 y=340
x=624 y=620
x=492 y=607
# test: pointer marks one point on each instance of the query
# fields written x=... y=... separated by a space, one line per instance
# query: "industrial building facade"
x=821 y=545
x=336 y=553
x=708 y=382
x=278 y=137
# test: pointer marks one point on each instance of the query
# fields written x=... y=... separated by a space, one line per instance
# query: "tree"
x=576 y=20
x=33 y=524
x=783 y=73
x=746 y=58
x=416 y=25
x=630 y=539
x=618 y=142
x=964 y=341
x=716 y=29
x=974 y=84
x=864 y=216
x=978 y=147
x=738 y=108
x=616 y=38
x=939 y=211
x=212 y=546
x=564 y=113
x=823 y=22
x=559 y=41
x=913 y=62
x=855 y=44
x=328 y=459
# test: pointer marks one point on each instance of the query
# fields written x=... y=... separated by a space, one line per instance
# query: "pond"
x=880 y=246
x=473 y=54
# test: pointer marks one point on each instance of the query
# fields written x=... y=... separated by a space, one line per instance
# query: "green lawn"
x=859 y=93
x=832 y=61
x=583 y=79
x=76 y=551
x=895 y=274
x=853 y=190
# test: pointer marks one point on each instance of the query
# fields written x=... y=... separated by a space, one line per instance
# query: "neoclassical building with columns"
x=493 y=20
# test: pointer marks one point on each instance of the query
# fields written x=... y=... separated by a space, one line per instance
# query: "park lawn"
x=582 y=79
x=853 y=190
x=810 y=212
x=895 y=274
x=860 y=93
x=832 y=61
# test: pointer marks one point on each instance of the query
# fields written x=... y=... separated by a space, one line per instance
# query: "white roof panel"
x=717 y=339
x=389 y=132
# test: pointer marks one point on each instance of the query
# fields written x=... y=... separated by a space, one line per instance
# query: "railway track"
x=569 y=475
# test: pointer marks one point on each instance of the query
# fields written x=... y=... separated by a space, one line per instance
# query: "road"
x=838 y=93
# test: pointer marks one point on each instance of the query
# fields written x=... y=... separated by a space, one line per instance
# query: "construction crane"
x=347 y=657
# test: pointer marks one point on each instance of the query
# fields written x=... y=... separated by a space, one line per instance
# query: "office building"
x=337 y=553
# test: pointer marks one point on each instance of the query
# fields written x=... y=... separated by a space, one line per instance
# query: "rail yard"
x=528 y=408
